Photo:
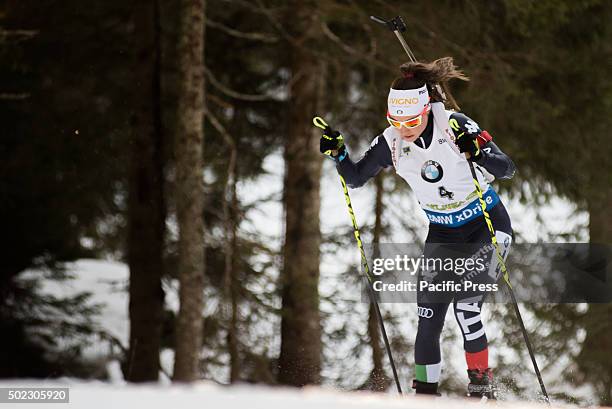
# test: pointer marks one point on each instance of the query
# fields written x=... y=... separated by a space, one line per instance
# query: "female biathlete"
x=419 y=146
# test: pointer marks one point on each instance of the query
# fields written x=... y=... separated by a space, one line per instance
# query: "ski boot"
x=481 y=384
x=425 y=388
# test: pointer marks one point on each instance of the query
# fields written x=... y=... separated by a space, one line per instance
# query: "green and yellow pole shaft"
x=500 y=259
x=369 y=279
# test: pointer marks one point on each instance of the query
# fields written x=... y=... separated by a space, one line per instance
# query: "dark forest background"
x=104 y=106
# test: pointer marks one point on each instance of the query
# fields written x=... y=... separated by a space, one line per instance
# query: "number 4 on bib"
x=445 y=193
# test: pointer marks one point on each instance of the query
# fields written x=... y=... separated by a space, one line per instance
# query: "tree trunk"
x=300 y=356
x=594 y=359
x=230 y=284
x=190 y=189
x=600 y=219
x=146 y=209
x=378 y=380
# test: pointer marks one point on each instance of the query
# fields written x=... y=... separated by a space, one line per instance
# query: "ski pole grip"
x=395 y=24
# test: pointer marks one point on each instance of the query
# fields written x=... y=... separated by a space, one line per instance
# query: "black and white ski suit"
x=445 y=190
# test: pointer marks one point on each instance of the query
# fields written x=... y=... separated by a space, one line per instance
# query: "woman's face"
x=412 y=134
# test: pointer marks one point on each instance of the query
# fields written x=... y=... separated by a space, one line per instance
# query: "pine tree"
x=300 y=357
x=146 y=206
x=190 y=190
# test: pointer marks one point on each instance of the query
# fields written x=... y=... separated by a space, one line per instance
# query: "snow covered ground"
x=93 y=395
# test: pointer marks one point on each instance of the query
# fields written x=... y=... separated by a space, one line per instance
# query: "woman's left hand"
x=466 y=133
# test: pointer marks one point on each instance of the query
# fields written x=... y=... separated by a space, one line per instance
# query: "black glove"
x=332 y=143
x=466 y=131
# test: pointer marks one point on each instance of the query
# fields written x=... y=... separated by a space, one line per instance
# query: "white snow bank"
x=92 y=395
x=107 y=281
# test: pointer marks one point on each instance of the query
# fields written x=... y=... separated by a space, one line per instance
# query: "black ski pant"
x=474 y=238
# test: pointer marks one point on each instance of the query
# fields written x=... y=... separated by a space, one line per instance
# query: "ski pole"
x=398 y=26
x=369 y=278
x=506 y=277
